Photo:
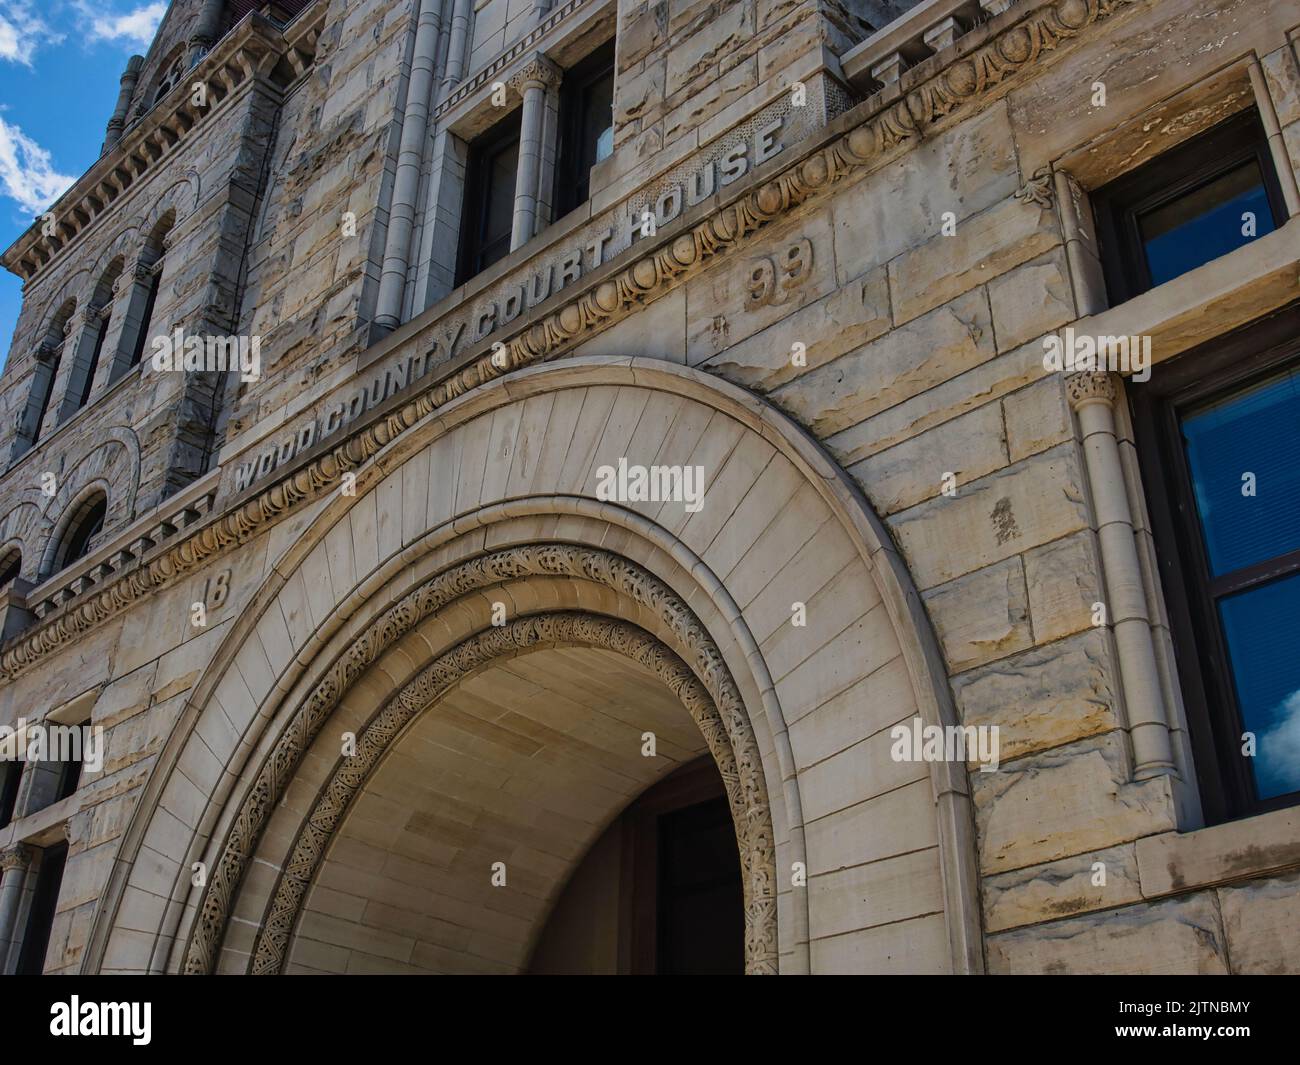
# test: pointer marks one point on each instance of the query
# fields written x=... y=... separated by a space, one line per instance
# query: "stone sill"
x=1256 y=846
x=128 y=547
x=1211 y=300
x=44 y=827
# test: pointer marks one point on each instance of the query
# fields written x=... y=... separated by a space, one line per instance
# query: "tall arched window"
x=143 y=298
x=90 y=345
x=169 y=80
x=48 y=354
x=79 y=532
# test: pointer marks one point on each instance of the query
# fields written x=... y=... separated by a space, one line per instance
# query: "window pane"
x=1254 y=431
x=1261 y=627
x=500 y=198
x=1205 y=223
x=598 y=120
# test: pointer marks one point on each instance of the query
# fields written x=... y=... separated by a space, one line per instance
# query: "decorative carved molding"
x=965 y=80
x=1094 y=386
x=15 y=856
x=1038 y=189
x=537 y=71
x=707 y=690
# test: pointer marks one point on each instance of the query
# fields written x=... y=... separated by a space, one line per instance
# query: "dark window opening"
x=686 y=907
x=1221 y=459
x=85 y=528
x=70 y=770
x=586 y=126
x=1195 y=203
x=40 y=918
x=42 y=403
x=11 y=775
x=10 y=566
x=489 y=209
x=100 y=334
x=146 y=318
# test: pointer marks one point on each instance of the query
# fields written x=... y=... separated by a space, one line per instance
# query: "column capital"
x=537 y=71
x=1086 y=387
x=15 y=856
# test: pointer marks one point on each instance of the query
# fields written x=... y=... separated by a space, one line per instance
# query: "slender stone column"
x=456 y=45
x=410 y=157
x=531 y=82
x=124 y=93
x=1276 y=144
x=14 y=862
x=1092 y=395
x=207 y=28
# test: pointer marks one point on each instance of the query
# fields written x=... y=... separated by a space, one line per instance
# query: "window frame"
x=600 y=63
x=1169 y=176
x=474 y=206
x=1227 y=364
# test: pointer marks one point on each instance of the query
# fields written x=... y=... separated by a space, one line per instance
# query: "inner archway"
x=453 y=853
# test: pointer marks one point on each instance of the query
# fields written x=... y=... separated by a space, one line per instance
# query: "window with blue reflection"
x=1260 y=628
x=1210 y=221
x=1243 y=454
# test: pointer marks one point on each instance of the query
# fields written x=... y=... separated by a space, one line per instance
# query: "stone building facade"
x=647 y=411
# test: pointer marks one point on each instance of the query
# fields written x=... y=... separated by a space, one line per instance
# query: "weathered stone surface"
x=1101 y=880
x=1066 y=801
x=704 y=49
x=1178 y=861
x=1065 y=583
x=1037 y=417
x=1282 y=73
x=1031 y=300
x=962 y=171
x=720 y=308
x=1182 y=936
x=1262 y=921
x=1003 y=514
x=981 y=616
x=937 y=461
x=900 y=364
x=835 y=324
x=968 y=390
x=985 y=245
x=1044 y=697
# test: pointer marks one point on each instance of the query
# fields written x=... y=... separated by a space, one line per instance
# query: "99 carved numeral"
x=772 y=280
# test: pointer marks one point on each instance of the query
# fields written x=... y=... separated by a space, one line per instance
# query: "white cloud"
x=136 y=26
x=1279 y=747
x=27 y=175
x=22 y=32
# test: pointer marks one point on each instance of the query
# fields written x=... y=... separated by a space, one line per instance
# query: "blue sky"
x=60 y=61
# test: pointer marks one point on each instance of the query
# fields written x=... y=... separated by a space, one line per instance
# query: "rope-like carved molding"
x=964 y=80
x=730 y=737
x=530 y=633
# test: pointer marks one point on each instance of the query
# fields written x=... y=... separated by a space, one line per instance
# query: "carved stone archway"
x=708 y=692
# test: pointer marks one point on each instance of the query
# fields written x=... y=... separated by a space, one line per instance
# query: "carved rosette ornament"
x=1091 y=386
x=699 y=677
x=645 y=278
x=538 y=72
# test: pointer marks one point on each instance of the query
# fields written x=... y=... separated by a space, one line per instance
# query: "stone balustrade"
x=923 y=31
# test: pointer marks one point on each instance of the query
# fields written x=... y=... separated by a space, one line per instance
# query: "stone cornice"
x=611 y=296
x=255 y=48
